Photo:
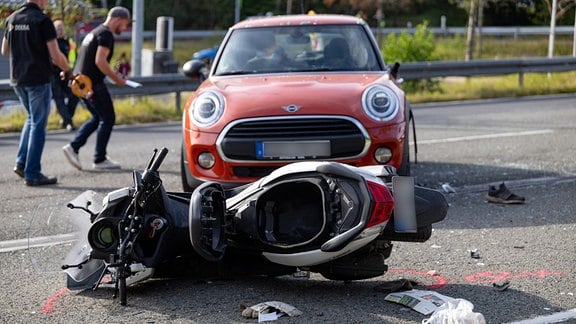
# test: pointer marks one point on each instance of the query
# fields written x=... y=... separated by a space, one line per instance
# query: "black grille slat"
x=301 y=128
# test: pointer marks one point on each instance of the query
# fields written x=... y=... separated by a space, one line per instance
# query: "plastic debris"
x=474 y=254
x=455 y=311
x=448 y=188
x=270 y=307
x=501 y=285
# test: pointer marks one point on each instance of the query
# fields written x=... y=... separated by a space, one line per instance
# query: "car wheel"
x=189 y=183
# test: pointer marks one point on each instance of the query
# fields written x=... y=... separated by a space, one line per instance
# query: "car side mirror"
x=195 y=69
x=394 y=70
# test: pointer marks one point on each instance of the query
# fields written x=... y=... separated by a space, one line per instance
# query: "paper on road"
x=422 y=301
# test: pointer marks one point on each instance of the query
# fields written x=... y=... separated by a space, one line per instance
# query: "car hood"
x=274 y=95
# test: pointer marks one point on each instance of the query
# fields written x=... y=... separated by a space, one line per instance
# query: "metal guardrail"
x=426 y=70
x=177 y=83
x=151 y=85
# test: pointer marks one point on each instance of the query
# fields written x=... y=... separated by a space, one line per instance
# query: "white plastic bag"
x=456 y=311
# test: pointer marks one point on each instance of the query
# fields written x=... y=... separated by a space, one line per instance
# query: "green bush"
x=416 y=47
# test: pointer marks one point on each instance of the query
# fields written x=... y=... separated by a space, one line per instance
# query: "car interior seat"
x=337 y=53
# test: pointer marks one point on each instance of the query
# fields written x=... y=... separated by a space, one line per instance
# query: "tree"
x=562 y=7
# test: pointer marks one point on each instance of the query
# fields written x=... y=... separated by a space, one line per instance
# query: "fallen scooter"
x=323 y=217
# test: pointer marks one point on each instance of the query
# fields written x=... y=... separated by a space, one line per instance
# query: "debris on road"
x=501 y=285
x=474 y=253
x=448 y=188
x=455 y=311
x=396 y=285
x=271 y=310
x=502 y=195
x=423 y=301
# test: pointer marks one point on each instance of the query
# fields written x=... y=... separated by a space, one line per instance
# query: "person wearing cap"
x=30 y=42
x=93 y=61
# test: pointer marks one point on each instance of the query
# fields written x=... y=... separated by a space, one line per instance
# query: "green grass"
x=158 y=108
x=462 y=88
x=128 y=111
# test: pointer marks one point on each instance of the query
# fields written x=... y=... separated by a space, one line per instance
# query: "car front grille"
x=345 y=136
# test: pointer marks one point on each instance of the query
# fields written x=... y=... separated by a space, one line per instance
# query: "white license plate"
x=292 y=150
x=404 y=205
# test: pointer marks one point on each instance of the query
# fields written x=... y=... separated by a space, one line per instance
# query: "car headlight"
x=207 y=108
x=380 y=103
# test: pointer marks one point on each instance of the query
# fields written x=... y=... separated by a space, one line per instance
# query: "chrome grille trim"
x=281 y=121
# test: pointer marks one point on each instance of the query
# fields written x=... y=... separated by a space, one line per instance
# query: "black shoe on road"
x=43 y=180
x=19 y=170
x=502 y=195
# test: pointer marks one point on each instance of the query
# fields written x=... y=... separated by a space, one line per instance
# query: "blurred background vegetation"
x=220 y=14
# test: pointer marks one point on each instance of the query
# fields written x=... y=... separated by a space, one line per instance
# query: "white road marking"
x=552 y=318
x=22 y=244
x=487 y=136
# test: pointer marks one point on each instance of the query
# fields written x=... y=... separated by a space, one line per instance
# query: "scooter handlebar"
x=155 y=165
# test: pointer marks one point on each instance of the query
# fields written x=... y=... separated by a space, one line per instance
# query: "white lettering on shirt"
x=22 y=27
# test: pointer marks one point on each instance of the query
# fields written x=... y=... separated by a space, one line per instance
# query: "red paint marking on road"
x=495 y=276
x=49 y=304
x=440 y=281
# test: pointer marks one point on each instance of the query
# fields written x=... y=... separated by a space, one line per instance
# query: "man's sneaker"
x=19 y=170
x=72 y=156
x=70 y=127
x=502 y=195
x=43 y=180
x=106 y=165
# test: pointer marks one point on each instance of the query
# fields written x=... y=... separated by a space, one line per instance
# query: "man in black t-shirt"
x=93 y=61
x=30 y=41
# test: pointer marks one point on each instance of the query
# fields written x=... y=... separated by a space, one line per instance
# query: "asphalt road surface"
x=530 y=144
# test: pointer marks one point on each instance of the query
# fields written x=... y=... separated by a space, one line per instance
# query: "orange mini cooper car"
x=292 y=88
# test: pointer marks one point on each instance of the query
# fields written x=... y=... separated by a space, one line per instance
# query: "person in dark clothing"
x=93 y=61
x=30 y=42
x=65 y=101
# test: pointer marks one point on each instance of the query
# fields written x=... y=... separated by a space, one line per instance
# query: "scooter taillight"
x=383 y=203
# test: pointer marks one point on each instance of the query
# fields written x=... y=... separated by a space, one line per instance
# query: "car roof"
x=296 y=20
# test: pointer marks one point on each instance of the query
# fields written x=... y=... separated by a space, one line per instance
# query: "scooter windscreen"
x=82 y=271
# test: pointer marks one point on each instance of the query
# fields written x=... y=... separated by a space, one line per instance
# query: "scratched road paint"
x=495 y=276
x=49 y=304
x=439 y=280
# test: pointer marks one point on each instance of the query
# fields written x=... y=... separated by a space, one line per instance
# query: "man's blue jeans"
x=36 y=101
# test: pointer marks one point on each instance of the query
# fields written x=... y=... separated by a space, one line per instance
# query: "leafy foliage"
x=416 y=47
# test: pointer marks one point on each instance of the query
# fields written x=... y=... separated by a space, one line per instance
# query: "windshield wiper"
x=234 y=73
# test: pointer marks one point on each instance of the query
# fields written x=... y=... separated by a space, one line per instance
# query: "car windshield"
x=306 y=48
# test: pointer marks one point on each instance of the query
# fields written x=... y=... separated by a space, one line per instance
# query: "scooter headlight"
x=380 y=103
x=103 y=236
x=207 y=108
